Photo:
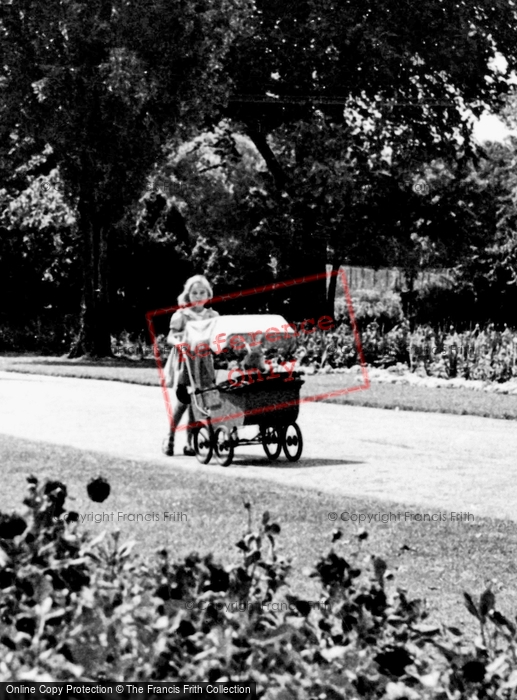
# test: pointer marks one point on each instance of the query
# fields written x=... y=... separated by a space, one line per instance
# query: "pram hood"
x=217 y=332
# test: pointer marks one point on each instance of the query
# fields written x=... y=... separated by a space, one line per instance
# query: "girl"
x=192 y=300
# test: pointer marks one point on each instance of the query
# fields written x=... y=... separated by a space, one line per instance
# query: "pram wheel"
x=203 y=439
x=271 y=441
x=292 y=442
x=223 y=445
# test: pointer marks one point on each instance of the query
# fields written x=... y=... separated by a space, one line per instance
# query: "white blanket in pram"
x=216 y=333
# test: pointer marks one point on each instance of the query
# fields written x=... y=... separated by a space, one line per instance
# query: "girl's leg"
x=190 y=446
x=177 y=414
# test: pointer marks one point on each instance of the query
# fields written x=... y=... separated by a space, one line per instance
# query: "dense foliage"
x=73 y=607
x=100 y=88
x=350 y=104
x=450 y=348
x=488 y=354
x=346 y=138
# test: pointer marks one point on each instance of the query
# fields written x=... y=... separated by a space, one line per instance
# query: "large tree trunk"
x=308 y=299
x=94 y=339
x=308 y=256
x=307 y=259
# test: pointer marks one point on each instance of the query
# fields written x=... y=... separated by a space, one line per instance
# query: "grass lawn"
x=404 y=397
x=436 y=561
x=380 y=395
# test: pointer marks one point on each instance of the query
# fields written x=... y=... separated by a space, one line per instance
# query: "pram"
x=255 y=393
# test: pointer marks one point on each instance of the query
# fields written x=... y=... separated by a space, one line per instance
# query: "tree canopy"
x=409 y=71
x=106 y=84
x=349 y=106
x=349 y=102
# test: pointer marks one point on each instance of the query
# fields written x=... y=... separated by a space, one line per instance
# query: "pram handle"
x=196 y=392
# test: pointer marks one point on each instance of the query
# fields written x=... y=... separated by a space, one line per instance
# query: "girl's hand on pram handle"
x=174 y=338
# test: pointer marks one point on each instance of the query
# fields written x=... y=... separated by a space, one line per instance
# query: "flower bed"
x=486 y=355
x=480 y=355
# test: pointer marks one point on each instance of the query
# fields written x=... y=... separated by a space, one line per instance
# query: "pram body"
x=267 y=397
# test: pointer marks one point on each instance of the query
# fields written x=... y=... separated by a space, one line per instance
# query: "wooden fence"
x=386 y=279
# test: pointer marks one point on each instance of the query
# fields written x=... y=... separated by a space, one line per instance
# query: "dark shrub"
x=72 y=607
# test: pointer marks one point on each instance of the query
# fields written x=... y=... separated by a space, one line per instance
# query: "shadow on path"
x=282 y=463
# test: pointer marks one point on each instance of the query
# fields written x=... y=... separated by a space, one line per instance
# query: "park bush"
x=444 y=303
x=338 y=348
x=372 y=306
x=47 y=334
x=430 y=335
x=77 y=607
x=487 y=354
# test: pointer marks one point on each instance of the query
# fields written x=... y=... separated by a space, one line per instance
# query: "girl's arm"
x=176 y=328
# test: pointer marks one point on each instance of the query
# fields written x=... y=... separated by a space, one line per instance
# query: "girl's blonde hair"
x=184 y=297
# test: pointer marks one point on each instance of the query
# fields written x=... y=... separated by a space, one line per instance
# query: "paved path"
x=457 y=463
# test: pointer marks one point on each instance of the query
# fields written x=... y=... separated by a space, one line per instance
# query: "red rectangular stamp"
x=240 y=369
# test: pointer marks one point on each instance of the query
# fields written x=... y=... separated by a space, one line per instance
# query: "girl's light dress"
x=175 y=371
